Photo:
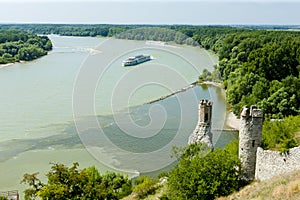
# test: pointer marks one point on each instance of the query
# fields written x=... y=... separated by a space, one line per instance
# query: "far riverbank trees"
x=16 y=46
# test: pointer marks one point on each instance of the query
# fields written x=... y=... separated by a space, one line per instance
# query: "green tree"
x=280 y=134
x=72 y=183
x=205 y=176
x=31 y=52
x=18 y=45
x=261 y=67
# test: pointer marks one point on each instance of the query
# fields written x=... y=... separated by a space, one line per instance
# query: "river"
x=78 y=104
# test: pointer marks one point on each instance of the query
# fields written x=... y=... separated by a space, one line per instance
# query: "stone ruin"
x=250 y=136
x=256 y=163
x=202 y=132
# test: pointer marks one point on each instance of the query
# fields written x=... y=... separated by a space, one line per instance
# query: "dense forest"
x=20 y=45
x=262 y=67
x=257 y=66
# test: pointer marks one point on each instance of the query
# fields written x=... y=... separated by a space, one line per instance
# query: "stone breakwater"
x=173 y=93
x=272 y=163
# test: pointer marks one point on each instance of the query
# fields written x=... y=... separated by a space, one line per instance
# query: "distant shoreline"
x=6 y=65
x=10 y=64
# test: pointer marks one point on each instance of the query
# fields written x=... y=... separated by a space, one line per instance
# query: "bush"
x=71 y=183
x=144 y=186
x=280 y=134
x=164 y=197
x=162 y=175
x=205 y=177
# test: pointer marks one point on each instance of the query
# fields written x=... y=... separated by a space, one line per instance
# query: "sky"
x=196 y=12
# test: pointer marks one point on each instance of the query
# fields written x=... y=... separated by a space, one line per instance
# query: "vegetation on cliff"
x=201 y=174
x=72 y=183
x=285 y=187
x=282 y=134
x=18 y=45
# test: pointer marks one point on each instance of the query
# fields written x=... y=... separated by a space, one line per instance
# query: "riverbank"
x=6 y=65
x=232 y=121
x=11 y=64
x=211 y=83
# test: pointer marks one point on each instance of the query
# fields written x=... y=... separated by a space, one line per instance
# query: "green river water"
x=78 y=104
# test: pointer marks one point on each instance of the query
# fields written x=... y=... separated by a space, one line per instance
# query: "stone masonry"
x=256 y=162
x=202 y=131
x=272 y=163
x=250 y=136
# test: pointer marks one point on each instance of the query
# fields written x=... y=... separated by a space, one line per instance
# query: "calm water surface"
x=82 y=79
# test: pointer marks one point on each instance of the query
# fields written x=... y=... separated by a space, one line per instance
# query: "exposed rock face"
x=250 y=136
x=202 y=131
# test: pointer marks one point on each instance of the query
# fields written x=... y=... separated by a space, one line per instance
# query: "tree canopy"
x=281 y=134
x=72 y=183
x=263 y=68
x=19 y=45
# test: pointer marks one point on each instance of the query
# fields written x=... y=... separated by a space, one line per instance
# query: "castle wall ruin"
x=272 y=163
x=256 y=162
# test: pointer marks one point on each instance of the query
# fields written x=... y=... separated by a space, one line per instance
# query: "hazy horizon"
x=197 y=12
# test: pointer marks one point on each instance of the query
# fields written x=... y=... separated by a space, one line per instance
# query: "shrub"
x=71 y=183
x=144 y=186
x=280 y=134
x=205 y=177
x=162 y=175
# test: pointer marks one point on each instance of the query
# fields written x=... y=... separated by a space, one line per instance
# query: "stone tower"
x=250 y=137
x=202 y=131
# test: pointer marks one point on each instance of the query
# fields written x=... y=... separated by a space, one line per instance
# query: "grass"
x=281 y=187
x=161 y=189
x=285 y=187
